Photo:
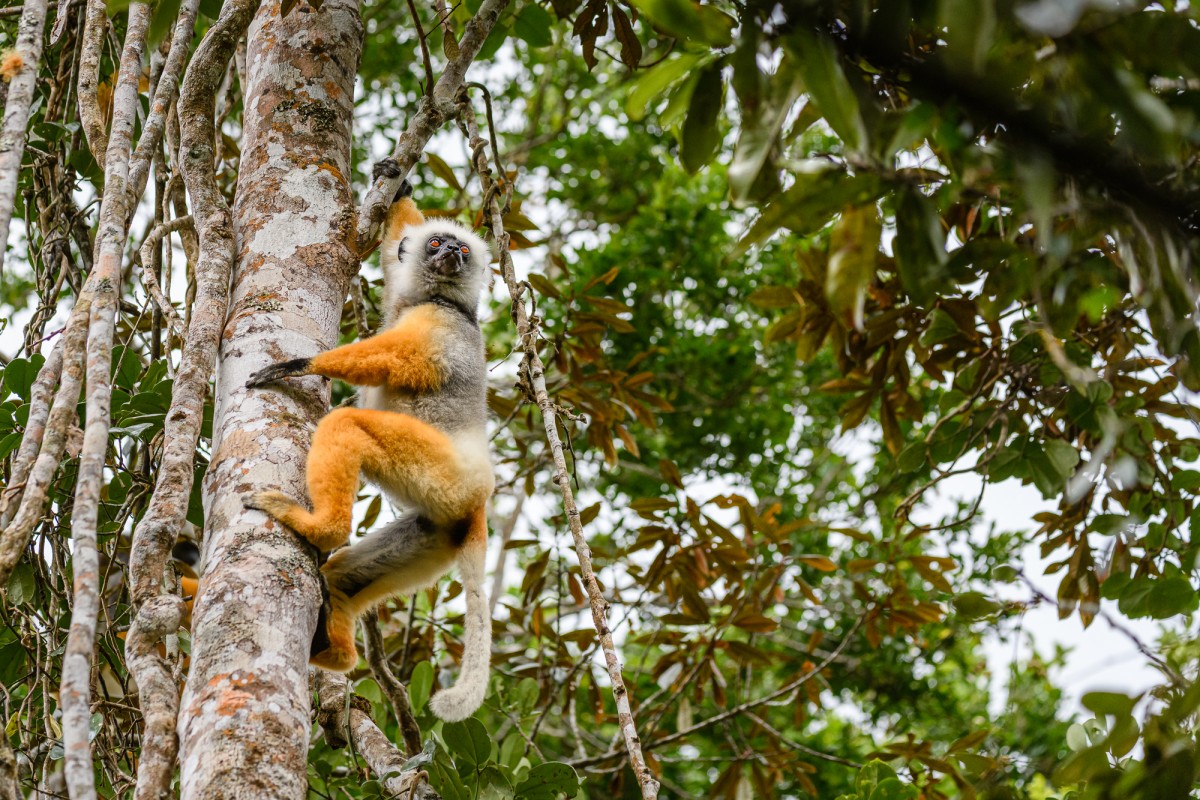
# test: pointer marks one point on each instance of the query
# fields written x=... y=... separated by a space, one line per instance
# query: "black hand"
x=284 y=369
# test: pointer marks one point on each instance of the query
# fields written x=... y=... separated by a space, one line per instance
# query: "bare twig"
x=527 y=333
x=412 y=9
x=151 y=282
x=377 y=659
x=506 y=532
x=16 y=111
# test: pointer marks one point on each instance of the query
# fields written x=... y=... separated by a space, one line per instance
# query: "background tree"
x=783 y=272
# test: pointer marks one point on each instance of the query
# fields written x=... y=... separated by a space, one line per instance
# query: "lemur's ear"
x=400 y=248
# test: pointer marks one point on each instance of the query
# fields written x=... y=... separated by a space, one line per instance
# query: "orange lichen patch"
x=332 y=170
x=11 y=62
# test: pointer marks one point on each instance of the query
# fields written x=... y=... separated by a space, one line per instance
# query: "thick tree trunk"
x=244 y=726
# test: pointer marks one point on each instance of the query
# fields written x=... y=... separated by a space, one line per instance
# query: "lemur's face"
x=447 y=255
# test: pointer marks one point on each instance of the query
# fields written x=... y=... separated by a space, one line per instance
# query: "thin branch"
x=432 y=113
x=91 y=115
x=16 y=111
x=506 y=532
x=164 y=96
x=105 y=280
x=527 y=334
x=41 y=395
x=412 y=9
x=145 y=257
x=377 y=659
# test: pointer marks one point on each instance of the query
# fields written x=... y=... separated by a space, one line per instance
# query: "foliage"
x=797 y=266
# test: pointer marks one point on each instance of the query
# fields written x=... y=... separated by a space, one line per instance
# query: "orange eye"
x=466 y=251
x=435 y=242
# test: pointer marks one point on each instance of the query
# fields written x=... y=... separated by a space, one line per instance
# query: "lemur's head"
x=439 y=258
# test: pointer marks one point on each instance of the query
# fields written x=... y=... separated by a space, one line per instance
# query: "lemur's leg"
x=416 y=461
x=409 y=554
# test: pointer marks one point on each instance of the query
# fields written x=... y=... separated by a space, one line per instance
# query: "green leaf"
x=809 y=204
x=826 y=83
x=919 y=247
x=973 y=605
x=1062 y=456
x=547 y=781
x=532 y=25
x=872 y=775
x=22 y=584
x=893 y=789
x=162 y=19
x=653 y=82
x=1171 y=596
x=1101 y=703
x=420 y=685
x=690 y=21
x=468 y=741
x=853 y=244
x=701 y=135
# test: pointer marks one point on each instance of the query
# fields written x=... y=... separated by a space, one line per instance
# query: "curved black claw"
x=284 y=369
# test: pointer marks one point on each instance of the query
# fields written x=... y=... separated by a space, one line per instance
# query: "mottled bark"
x=245 y=718
x=16 y=111
x=528 y=335
x=104 y=283
x=156 y=616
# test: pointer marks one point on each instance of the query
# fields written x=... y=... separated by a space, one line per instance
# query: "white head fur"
x=408 y=283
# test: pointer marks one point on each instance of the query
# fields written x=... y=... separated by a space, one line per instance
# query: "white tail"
x=466 y=695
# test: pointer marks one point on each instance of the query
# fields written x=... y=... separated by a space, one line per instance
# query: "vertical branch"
x=16 y=111
x=91 y=116
x=104 y=282
x=164 y=95
x=494 y=200
x=41 y=395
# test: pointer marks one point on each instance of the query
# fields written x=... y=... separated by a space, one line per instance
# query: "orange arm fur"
x=404 y=357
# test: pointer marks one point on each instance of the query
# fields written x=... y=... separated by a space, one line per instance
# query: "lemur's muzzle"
x=448 y=260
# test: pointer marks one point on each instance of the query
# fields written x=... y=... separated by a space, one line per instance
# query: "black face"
x=447 y=254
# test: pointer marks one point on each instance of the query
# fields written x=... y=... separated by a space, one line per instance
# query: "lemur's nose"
x=448 y=259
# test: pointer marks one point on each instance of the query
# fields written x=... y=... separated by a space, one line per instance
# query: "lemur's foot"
x=284 y=369
x=333 y=643
x=274 y=504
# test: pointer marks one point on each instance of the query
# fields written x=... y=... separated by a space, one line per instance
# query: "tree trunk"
x=244 y=726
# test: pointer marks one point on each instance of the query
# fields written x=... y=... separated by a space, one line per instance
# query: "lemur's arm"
x=404 y=357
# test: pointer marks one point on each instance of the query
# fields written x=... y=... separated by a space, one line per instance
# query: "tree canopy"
x=780 y=272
